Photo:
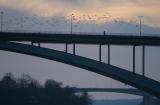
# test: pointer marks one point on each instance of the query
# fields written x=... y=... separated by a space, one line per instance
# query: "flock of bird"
x=23 y=22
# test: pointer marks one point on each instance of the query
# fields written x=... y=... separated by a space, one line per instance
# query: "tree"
x=26 y=81
x=27 y=91
x=52 y=84
x=8 y=81
x=85 y=99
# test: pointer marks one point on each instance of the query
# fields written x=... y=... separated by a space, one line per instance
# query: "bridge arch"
x=143 y=83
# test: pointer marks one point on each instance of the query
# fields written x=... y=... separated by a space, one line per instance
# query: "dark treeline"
x=28 y=91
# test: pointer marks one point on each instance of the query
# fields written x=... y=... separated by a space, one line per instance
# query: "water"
x=117 y=102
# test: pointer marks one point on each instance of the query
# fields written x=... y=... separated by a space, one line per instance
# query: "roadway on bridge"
x=81 y=39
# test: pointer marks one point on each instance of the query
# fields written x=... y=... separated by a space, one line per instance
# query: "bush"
x=28 y=91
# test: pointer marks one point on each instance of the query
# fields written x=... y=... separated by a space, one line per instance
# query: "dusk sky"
x=113 y=16
x=126 y=10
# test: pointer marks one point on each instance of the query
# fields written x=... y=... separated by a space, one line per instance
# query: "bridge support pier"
x=134 y=59
x=143 y=60
x=39 y=45
x=109 y=54
x=66 y=47
x=32 y=43
x=150 y=100
x=74 y=48
x=100 y=52
x=146 y=100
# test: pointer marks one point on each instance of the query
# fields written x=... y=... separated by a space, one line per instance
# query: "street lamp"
x=1 y=21
x=74 y=45
x=71 y=22
x=143 y=47
x=140 y=24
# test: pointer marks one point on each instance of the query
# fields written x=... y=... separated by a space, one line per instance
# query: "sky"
x=92 y=16
x=111 y=10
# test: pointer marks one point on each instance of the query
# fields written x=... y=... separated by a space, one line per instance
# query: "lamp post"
x=74 y=45
x=140 y=25
x=143 y=47
x=71 y=22
x=1 y=21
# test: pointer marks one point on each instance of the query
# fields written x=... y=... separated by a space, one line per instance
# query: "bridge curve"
x=143 y=83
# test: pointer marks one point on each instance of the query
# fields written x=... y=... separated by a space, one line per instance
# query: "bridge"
x=146 y=100
x=7 y=43
x=115 y=90
x=81 y=39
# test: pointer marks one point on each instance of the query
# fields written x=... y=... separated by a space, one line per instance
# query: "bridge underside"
x=122 y=75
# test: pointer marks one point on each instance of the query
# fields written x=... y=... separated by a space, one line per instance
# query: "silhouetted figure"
x=104 y=33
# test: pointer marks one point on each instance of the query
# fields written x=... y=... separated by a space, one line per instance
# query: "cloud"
x=118 y=9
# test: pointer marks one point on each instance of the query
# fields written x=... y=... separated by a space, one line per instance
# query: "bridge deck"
x=81 y=39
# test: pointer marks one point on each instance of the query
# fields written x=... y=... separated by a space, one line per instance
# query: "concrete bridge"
x=138 y=81
x=115 y=90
